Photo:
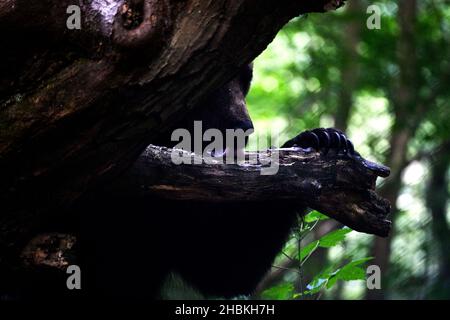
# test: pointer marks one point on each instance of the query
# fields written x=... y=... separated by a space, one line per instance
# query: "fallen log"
x=339 y=186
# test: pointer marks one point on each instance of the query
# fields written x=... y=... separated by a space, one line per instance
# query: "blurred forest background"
x=388 y=89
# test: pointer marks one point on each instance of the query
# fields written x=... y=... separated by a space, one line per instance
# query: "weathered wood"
x=339 y=186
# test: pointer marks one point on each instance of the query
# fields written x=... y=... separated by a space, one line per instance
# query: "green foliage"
x=280 y=292
x=315 y=216
x=333 y=238
x=350 y=271
x=309 y=249
x=300 y=82
x=328 y=278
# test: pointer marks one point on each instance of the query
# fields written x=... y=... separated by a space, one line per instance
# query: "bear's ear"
x=245 y=78
x=141 y=25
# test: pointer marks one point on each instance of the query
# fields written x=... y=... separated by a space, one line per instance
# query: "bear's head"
x=224 y=108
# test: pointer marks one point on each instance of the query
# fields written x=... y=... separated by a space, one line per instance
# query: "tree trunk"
x=403 y=129
x=350 y=65
x=436 y=199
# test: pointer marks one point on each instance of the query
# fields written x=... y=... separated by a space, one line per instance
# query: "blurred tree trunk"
x=349 y=79
x=405 y=103
x=437 y=198
x=350 y=64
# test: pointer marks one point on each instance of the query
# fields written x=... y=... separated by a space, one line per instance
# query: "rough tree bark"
x=339 y=186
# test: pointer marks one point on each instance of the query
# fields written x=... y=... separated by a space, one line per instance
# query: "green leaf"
x=353 y=270
x=314 y=216
x=333 y=238
x=308 y=249
x=316 y=285
x=350 y=271
x=319 y=281
x=331 y=282
x=357 y=262
x=281 y=292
